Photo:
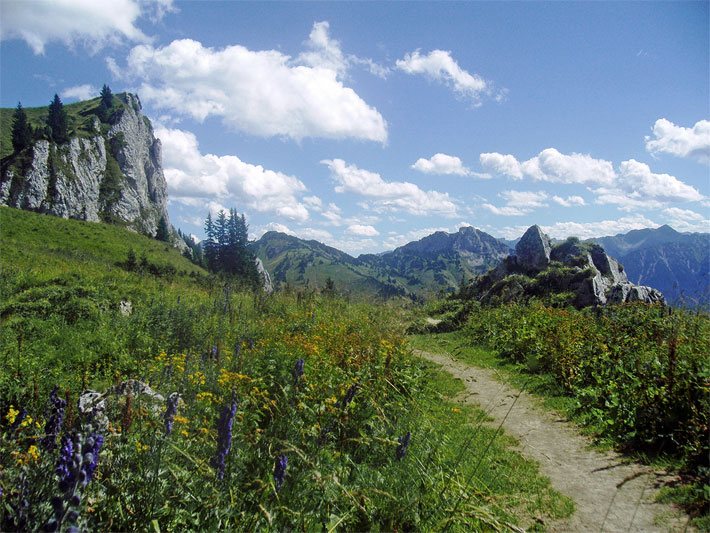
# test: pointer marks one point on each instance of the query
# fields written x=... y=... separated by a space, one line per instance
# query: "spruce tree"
x=162 y=233
x=57 y=121
x=209 y=245
x=106 y=97
x=21 y=131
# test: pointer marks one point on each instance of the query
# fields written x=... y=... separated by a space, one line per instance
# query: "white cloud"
x=313 y=202
x=314 y=234
x=332 y=214
x=389 y=195
x=441 y=164
x=518 y=203
x=191 y=174
x=92 y=23
x=323 y=51
x=362 y=230
x=638 y=187
x=679 y=141
x=586 y=230
x=80 y=92
x=438 y=65
x=570 y=201
x=263 y=93
x=396 y=239
x=502 y=164
x=687 y=220
x=552 y=166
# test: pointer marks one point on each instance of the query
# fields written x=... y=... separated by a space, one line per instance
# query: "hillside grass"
x=340 y=424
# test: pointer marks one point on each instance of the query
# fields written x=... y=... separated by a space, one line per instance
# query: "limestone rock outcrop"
x=580 y=273
x=533 y=249
x=109 y=171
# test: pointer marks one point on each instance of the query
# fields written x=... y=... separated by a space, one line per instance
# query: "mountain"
x=295 y=262
x=109 y=169
x=437 y=263
x=441 y=261
x=678 y=264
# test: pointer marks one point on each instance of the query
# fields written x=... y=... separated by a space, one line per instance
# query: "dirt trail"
x=610 y=493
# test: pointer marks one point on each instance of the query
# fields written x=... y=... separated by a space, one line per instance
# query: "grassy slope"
x=42 y=253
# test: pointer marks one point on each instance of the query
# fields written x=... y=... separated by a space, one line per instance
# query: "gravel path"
x=610 y=493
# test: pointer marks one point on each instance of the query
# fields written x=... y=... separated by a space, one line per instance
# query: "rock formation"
x=581 y=274
x=108 y=171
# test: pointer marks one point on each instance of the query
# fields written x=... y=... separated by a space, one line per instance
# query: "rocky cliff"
x=572 y=272
x=109 y=170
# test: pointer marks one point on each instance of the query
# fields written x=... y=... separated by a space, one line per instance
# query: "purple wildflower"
x=54 y=421
x=224 y=439
x=349 y=396
x=280 y=470
x=91 y=448
x=170 y=412
x=403 y=445
x=298 y=371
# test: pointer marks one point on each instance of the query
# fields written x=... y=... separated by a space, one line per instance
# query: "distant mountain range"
x=435 y=264
x=678 y=264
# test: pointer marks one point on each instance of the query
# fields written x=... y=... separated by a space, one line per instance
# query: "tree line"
x=56 y=125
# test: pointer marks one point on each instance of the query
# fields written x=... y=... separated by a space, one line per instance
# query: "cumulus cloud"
x=518 y=203
x=638 y=187
x=362 y=230
x=570 y=201
x=80 y=92
x=389 y=195
x=263 y=93
x=191 y=175
x=438 y=65
x=586 y=230
x=92 y=23
x=687 y=220
x=679 y=141
x=441 y=164
x=552 y=166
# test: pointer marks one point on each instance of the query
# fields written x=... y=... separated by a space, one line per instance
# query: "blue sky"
x=366 y=125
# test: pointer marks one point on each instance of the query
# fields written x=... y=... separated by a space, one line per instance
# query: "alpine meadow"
x=383 y=266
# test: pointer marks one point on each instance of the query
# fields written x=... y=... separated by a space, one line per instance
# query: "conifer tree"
x=106 y=97
x=162 y=233
x=209 y=245
x=21 y=130
x=57 y=121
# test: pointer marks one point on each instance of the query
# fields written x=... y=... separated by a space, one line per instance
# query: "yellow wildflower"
x=11 y=415
x=33 y=453
x=205 y=397
x=184 y=433
x=140 y=447
x=455 y=410
x=181 y=419
x=26 y=422
x=197 y=378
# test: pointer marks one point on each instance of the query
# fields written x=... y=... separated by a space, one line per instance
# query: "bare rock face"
x=533 y=249
x=267 y=285
x=115 y=175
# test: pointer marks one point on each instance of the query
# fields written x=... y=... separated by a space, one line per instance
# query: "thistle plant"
x=54 y=420
x=224 y=437
x=280 y=471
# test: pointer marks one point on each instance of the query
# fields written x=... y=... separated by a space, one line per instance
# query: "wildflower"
x=280 y=471
x=78 y=458
x=54 y=421
x=224 y=438
x=11 y=415
x=33 y=453
x=170 y=412
x=298 y=371
x=349 y=395
x=403 y=445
